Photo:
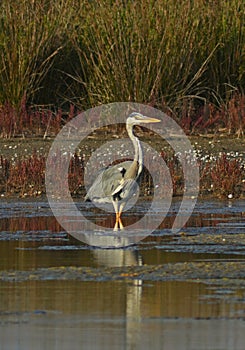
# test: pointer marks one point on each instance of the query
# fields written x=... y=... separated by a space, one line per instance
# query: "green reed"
x=158 y=50
x=153 y=51
x=29 y=41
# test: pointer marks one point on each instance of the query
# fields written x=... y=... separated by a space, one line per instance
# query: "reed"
x=179 y=57
x=158 y=52
x=29 y=41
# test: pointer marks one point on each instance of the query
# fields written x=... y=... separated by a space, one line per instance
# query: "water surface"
x=167 y=292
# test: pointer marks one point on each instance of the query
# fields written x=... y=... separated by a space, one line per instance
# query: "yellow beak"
x=150 y=120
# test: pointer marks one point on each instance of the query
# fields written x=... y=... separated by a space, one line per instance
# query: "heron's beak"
x=150 y=120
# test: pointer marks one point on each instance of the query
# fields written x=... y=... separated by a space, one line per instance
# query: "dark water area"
x=184 y=291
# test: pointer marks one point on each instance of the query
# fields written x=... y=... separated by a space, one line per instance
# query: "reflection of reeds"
x=29 y=225
x=26 y=176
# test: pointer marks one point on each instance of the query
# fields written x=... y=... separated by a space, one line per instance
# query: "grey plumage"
x=104 y=189
x=118 y=183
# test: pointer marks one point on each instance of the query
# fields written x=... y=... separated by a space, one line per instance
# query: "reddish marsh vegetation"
x=223 y=177
x=29 y=122
x=32 y=121
x=220 y=176
x=25 y=176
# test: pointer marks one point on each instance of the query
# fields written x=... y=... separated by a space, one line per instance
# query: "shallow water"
x=167 y=292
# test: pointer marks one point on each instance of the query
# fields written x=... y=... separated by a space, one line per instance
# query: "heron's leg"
x=115 y=204
x=121 y=209
x=120 y=224
x=119 y=216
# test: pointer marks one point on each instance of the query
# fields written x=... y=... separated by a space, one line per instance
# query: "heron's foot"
x=118 y=223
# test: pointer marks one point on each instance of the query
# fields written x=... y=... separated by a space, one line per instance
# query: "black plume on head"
x=134 y=114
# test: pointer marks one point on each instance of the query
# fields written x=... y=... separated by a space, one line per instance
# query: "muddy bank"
x=209 y=144
x=230 y=272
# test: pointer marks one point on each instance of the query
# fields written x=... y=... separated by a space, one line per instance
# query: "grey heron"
x=116 y=184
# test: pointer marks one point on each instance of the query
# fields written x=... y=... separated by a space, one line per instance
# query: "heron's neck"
x=138 y=154
x=135 y=141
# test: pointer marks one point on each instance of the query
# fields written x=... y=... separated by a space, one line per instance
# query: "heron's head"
x=138 y=119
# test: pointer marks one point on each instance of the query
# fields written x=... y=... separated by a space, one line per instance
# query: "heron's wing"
x=125 y=188
x=107 y=182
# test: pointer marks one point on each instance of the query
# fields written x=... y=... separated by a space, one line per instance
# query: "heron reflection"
x=133 y=291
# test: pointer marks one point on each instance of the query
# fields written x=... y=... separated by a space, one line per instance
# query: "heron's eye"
x=138 y=118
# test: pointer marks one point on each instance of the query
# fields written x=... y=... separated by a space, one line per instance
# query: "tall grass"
x=153 y=51
x=159 y=50
x=29 y=40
